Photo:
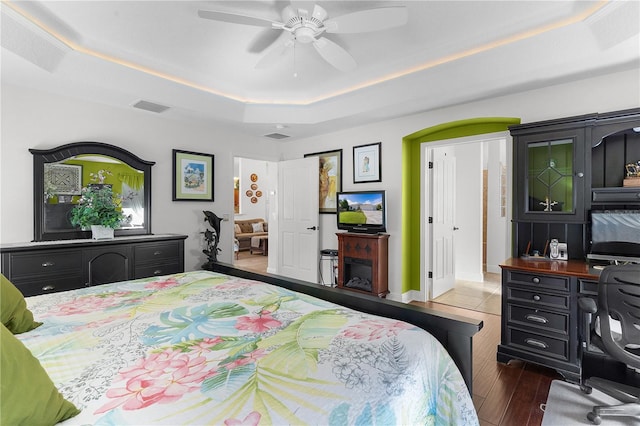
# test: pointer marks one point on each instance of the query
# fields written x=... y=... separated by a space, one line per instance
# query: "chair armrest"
x=588 y=305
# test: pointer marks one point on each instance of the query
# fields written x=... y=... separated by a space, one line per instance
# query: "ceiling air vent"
x=150 y=106
x=276 y=136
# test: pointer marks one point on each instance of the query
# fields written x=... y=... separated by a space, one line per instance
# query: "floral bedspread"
x=205 y=348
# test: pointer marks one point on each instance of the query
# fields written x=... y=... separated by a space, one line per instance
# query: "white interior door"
x=442 y=211
x=298 y=219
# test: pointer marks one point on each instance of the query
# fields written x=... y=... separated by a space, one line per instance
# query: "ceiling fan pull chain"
x=295 y=72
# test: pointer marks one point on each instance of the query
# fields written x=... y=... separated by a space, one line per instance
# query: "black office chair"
x=612 y=355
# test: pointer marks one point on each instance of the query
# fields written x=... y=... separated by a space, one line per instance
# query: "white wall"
x=498 y=239
x=249 y=210
x=33 y=119
x=599 y=94
x=468 y=237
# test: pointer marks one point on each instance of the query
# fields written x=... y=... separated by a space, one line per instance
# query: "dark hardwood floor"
x=503 y=395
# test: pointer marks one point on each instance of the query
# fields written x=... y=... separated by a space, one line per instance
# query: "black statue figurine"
x=212 y=237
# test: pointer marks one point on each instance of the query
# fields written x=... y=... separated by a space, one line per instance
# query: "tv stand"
x=363 y=262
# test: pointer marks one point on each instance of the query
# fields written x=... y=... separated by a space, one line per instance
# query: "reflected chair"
x=611 y=348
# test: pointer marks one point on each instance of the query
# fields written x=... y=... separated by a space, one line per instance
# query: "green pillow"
x=27 y=394
x=13 y=308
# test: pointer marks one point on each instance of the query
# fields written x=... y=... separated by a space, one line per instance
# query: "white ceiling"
x=121 y=52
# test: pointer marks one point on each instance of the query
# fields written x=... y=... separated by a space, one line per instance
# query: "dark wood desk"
x=541 y=322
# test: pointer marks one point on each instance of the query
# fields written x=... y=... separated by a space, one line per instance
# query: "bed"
x=205 y=347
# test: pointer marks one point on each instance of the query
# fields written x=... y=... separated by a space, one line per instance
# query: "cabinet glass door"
x=550 y=174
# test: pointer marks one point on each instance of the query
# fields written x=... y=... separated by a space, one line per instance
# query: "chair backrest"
x=619 y=298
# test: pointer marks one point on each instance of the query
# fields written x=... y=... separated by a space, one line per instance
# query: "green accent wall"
x=412 y=186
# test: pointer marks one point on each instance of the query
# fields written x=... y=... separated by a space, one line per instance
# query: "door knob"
x=455 y=228
x=313 y=228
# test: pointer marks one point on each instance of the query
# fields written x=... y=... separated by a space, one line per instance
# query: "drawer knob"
x=536 y=298
x=47 y=264
x=537 y=318
x=157 y=272
x=48 y=287
x=536 y=280
x=157 y=252
x=537 y=343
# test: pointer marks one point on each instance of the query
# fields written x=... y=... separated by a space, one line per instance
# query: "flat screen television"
x=362 y=211
x=615 y=234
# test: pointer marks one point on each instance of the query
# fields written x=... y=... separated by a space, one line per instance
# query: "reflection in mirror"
x=60 y=174
x=64 y=180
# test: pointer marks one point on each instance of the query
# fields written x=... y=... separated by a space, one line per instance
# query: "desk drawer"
x=538 y=298
x=156 y=252
x=45 y=262
x=545 y=320
x=545 y=281
x=545 y=345
x=588 y=287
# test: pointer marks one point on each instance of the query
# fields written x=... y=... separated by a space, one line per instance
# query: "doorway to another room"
x=251 y=190
x=466 y=199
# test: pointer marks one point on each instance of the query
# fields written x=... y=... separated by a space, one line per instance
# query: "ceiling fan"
x=307 y=28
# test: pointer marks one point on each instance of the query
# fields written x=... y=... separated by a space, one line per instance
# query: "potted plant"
x=98 y=209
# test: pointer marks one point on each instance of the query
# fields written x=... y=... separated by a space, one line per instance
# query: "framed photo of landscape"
x=192 y=176
x=330 y=173
x=366 y=163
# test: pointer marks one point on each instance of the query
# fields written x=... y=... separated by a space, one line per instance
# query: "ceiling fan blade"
x=266 y=39
x=368 y=20
x=237 y=18
x=334 y=54
x=273 y=56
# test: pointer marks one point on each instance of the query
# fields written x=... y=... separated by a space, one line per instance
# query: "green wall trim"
x=412 y=187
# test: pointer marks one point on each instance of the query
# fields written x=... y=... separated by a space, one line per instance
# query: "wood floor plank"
x=497 y=401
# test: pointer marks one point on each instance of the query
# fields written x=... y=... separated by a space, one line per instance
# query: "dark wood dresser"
x=541 y=321
x=50 y=266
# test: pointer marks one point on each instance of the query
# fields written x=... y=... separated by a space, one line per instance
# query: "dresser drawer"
x=163 y=268
x=545 y=320
x=32 y=287
x=44 y=262
x=538 y=298
x=146 y=253
x=539 y=280
x=548 y=346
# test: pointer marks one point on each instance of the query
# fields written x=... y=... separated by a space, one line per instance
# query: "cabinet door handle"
x=534 y=342
x=536 y=297
x=157 y=252
x=157 y=272
x=47 y=264
x=48 y=287
x=536 y=280
x=537 y=318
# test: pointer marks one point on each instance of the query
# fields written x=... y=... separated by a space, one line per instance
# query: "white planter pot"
x=99 y=232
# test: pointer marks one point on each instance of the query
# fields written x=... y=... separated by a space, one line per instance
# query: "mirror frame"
x=63 y=152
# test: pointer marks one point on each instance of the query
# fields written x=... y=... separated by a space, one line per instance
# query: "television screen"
x=615 y=232
x=362 y=211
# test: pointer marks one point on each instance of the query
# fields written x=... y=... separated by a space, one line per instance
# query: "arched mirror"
x=61 y=173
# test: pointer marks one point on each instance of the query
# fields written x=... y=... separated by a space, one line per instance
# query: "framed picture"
x=192 y=176
x=330 y=173
x=63 y=179
x=366 y=163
